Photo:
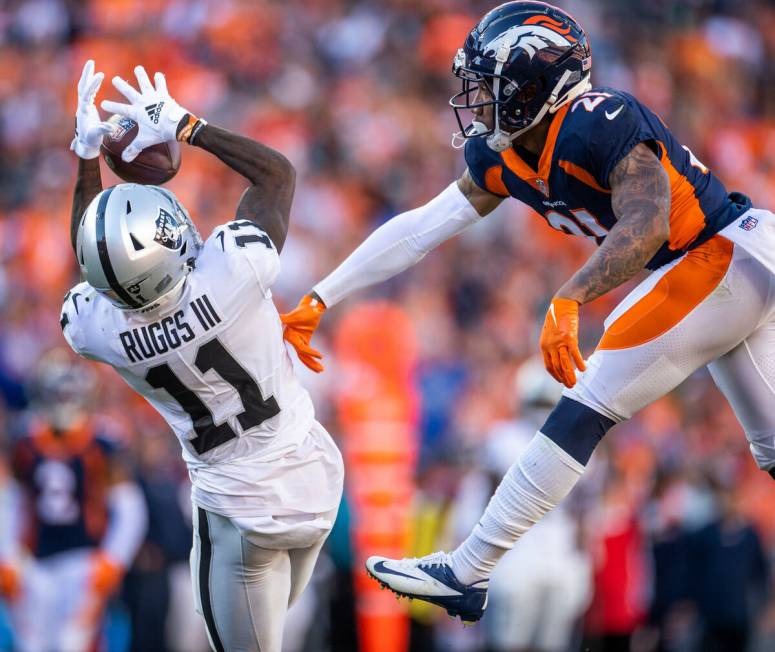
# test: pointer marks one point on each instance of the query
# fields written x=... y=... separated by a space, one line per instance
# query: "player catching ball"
x=191 y=326
x=593 y=162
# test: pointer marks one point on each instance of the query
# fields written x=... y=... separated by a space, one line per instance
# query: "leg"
x=677 y=320
x=242 y=590
x=654 y=339
x=746 y=377
x=303 y=561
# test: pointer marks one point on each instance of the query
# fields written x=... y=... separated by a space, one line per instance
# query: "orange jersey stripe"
x=686 y=216
x=582 y=175
x=515 y=163
x=674 y=296
x=494 y=181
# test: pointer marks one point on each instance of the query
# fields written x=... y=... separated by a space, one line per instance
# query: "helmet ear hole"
x=183 y=249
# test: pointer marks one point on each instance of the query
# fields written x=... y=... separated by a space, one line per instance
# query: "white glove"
x=155 y=112
x=89 y=129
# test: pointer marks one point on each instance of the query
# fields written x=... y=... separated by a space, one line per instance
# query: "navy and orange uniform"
x=569 y=184
x=65 y=478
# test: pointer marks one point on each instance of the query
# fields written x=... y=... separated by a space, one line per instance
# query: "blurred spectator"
x=148 y=588
x=77 y=521
x=729 y=575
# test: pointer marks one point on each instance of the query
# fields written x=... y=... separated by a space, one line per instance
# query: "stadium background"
x=355 y=94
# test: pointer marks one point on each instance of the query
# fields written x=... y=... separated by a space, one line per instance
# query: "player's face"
x=483 y=114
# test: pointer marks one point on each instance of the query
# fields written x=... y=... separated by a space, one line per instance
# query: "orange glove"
x=300 y=323
x=10 y=584
x=106 y=574
x=560 y=341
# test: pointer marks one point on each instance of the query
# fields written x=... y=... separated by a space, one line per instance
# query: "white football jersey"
x=215 y=366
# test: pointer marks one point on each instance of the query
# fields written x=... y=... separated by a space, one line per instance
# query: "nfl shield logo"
x=749 y=223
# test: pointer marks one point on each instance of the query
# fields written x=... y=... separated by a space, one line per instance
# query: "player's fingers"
x=93 y=86
x=295 y=337
x=106 y=127
x=143 y=83
x=568 y=374
x=554 y=366
x=309 y=351
x=116 y=107
x=578 y=358
x=547 y=361
x=86 y=73
x=130 y=152
x=126 y=89
x=161 y=83
x=311 y=363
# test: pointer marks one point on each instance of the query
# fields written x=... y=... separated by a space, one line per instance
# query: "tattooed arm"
x=641 y=201
x=88 y=185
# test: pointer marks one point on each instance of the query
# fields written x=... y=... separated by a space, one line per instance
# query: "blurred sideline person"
x=542 y=586
x=596 y=163
x=78 y=519
x=191 y=326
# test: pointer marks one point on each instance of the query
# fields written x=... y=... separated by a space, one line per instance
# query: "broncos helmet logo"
x=168 y=231
x=531 y=38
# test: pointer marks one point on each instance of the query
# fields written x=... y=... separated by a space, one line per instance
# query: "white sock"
x=542 y=476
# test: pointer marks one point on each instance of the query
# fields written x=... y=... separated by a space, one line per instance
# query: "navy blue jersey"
x=65 y=480
x=586 y=140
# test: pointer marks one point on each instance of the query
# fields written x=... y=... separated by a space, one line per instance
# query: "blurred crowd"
x=668 y=543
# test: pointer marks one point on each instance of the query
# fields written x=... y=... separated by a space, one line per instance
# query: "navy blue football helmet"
x=525 y=59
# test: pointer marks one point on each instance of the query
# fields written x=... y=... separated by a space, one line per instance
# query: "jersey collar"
x=539 y=180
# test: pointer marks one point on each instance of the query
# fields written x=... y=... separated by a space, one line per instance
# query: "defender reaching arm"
x=395 y=246
x=641 y=201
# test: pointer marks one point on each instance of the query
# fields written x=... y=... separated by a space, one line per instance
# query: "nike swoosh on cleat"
x=380 y=567
x=611 y=116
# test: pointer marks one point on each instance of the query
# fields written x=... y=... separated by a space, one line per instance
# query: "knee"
x=576 y=428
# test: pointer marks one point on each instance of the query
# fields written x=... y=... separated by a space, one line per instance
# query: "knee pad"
x=577 y=428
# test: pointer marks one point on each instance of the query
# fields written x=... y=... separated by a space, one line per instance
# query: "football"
x=153 y=166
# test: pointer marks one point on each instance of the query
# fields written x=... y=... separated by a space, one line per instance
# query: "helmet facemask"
x=516 y=106
x=530 y=58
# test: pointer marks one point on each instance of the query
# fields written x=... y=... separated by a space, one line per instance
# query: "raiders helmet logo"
x=168 y=230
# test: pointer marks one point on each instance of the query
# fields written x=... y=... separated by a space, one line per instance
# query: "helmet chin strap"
x=476 y=128
x=500 y=141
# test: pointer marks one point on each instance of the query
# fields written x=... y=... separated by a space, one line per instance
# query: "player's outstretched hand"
x=157 y=115
x=560 y=341
x=89 y=128
x=106 y=574
x=10 y=582
x=300 y=323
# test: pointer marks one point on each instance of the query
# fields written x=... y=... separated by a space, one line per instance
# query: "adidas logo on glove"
x=153 y=111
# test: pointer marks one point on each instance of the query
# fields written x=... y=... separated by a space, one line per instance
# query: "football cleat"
x=431 y=579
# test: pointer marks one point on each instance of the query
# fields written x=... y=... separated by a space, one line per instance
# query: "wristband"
x=188 y=128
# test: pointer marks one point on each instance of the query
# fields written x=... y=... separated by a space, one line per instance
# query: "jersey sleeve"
x=247 y=243
x=74 y=319
x=485 y=166
x=607 y=127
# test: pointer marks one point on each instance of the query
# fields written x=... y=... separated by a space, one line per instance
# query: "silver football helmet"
x=136 y=244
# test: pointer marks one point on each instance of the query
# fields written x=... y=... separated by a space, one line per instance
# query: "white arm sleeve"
x=128 y=522
x=399 y=244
